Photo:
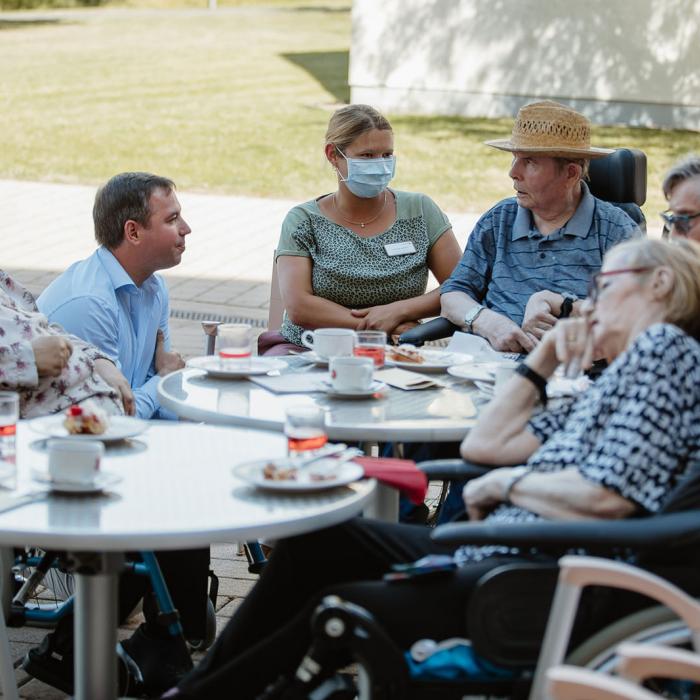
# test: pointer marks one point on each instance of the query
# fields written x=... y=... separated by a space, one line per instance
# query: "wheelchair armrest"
x=654 y=532
x=434 y=329
x=448 y=469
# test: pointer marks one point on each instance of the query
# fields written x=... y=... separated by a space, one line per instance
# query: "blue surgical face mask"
x=368 y=177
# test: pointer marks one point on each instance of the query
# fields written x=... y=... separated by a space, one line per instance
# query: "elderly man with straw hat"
x=529 y=258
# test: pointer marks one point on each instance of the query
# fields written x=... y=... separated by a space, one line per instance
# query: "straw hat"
x=551 y=129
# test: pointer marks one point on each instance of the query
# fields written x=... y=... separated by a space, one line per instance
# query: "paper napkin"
x=405 y=379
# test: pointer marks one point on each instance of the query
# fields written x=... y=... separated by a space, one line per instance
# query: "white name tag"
x=403 y=248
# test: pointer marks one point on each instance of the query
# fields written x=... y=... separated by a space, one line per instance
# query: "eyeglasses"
x=593 y=285
x=682 y=222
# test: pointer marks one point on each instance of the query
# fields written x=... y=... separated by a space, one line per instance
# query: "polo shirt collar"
x=118 y=276
x=578 y=225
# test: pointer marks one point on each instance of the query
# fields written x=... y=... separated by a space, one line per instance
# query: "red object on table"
x=402 y=474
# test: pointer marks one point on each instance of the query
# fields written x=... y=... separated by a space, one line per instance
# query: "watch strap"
x=471 y=317
x=537 y=379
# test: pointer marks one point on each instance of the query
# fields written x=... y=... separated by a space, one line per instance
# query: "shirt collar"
x=118 y=276
x=578 y=225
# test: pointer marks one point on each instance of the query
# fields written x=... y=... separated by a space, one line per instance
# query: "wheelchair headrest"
x=620 y=177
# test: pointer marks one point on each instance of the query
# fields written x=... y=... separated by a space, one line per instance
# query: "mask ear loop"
x=340 y=175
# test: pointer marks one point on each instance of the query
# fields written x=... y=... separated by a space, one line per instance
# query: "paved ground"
x=225 y=273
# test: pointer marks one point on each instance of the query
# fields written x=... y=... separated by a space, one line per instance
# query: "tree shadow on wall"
x=329 y=68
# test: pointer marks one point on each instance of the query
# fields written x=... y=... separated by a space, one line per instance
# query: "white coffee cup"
x=351 y=373
x=330 y=342
x=75 y=461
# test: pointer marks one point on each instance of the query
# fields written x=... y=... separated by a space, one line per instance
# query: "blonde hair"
x=683 y=257
x=352 y=121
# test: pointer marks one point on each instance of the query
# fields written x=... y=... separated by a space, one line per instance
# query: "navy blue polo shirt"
x=507 y=259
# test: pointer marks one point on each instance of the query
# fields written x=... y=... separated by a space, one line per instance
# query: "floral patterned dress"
x=20 y=324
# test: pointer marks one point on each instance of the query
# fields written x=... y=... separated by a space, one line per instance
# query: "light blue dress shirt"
x=96 y=300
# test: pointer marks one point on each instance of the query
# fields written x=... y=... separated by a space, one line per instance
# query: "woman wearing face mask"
x=359 y=257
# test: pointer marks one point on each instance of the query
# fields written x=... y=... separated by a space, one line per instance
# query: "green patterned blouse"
x=357 y=272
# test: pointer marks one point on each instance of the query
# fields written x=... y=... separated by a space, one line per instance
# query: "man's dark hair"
x=124 y=197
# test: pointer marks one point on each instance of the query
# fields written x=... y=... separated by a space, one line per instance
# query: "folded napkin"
x=402 y=474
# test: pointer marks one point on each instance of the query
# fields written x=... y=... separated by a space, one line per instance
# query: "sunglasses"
x=682 y=222
x=594 y=284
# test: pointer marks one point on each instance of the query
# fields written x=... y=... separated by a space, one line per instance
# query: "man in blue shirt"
x=114 y=299
x=530 y=257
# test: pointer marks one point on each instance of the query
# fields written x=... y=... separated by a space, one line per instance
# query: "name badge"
x=403 y=248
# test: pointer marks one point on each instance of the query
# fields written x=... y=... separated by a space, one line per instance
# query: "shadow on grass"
x=321 y=8
x=329 y=68
x=27 y=23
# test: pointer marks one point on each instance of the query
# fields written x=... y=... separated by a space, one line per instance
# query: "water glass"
x=9 y=415
x=235 y=341
x=305 y=429
x=371 y=344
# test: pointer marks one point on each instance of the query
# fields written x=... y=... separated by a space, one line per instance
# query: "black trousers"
x=270 y=631
x=186 y=574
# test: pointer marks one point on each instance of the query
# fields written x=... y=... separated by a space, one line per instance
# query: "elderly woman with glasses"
x=616 y=451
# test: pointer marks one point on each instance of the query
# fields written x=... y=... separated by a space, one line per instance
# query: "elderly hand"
x=539 y=317
x=51 y=354
x=503 y=334
x=483 y=494
x=109 y=372
x=573 y=344
x=166 y=361
x=385 y=317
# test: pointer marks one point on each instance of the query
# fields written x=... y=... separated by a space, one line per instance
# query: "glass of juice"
x=305 y=429
x=371 y=344
x=9 y=415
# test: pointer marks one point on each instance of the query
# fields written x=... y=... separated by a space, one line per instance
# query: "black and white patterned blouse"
x=635 y=431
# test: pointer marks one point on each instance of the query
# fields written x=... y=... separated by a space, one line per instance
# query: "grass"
x=235 y=101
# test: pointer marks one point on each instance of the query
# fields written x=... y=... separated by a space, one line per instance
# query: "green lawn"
x=234 y=101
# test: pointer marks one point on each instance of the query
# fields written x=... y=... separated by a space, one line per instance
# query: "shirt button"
x=542 y=255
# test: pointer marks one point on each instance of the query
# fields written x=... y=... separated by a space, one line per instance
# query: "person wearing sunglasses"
x=617 y=451
x=681 y=188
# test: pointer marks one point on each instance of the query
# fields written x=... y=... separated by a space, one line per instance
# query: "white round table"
x=426 y=415
x=176 y=491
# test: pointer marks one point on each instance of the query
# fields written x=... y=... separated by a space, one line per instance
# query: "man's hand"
x=109 y=372
x=166 y=362
x=503 y=334
x=539 y=314
x=51 y=354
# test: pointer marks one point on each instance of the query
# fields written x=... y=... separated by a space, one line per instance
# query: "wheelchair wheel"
x=209 y=632
x=657 y=625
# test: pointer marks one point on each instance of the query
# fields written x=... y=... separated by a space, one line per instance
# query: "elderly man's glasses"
x=682 y=222
x=594 y=284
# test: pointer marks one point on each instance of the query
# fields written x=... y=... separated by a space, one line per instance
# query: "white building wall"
x=635 y=62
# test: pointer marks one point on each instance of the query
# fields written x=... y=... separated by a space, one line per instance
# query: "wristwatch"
x=471 y=316
x=567 y=306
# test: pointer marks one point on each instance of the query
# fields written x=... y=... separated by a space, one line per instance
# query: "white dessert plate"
x=214 y=367
x=374 y=389
x=477 y=371
x=102 y=481
x=433 y=360
x=120 y=428
x=486 y=388
x=307 y=477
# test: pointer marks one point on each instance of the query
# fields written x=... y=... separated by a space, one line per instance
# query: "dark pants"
x=270 y=631
x=185 y=573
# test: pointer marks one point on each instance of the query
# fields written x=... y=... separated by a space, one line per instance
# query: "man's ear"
x=574 y=171
x=132 y=232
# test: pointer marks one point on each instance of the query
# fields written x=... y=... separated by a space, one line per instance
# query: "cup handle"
x=307 y=339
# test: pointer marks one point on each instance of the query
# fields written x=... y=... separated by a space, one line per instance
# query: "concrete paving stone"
x=226 y=550
x=36 y=690
x=234 y=569
x=26 y=635
x=222 y=601
x=235 y=587
x=228 y=610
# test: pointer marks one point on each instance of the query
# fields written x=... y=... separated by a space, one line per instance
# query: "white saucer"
x=102 y=481
x=312 y=358
x=252 y=473
x=120 y=428
x=433 y=361
x=214 y=367
x=485 y=388
x=476 y=371
x=374 y=389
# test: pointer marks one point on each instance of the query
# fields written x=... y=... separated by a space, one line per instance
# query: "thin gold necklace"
x=362 y=224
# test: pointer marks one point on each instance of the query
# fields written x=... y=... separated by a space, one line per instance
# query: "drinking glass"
x=9 y=415
x=371 y=344
x=235 y=342
x=305 y=429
